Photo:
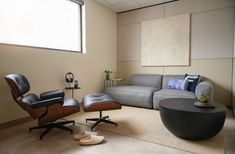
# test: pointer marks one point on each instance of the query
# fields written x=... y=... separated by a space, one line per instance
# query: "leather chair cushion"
x=30 y=99
x=99 y=102
x=52 y=94
x=18 y=83
x=70 y=102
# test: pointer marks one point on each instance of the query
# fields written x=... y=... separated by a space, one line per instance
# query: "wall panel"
x=211 y=43
x=129 y=40
x=212 y=34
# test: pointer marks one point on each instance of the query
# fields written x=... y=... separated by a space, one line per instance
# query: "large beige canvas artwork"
x=166 y=41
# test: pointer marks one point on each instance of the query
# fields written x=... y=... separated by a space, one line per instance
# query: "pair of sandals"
x=88 y=138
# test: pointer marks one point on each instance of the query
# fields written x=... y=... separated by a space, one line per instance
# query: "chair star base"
x=101 y=119
x=100 y=102
x=50 y=126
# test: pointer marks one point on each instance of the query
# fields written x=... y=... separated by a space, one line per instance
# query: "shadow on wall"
x=221 y=94
x=233 y=104
x=5 y=91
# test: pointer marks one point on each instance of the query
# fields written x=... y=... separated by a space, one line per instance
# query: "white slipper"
x=92 y=140
x=83 y=135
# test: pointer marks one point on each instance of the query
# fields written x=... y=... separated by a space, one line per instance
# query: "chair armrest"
x=52 y=94
x=205 y=87
x=48 y=102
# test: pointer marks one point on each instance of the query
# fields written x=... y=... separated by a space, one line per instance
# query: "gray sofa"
x=147 y=90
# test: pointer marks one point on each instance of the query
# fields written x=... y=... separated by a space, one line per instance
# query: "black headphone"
x=69 y=77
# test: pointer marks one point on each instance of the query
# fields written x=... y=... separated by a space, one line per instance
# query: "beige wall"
x=212 y=43
x=233 y=85
x=233 y=88
x=45 y=69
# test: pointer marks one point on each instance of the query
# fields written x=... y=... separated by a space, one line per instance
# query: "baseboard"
x=15 y=122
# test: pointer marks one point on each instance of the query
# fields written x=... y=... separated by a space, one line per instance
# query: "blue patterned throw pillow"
x=178 y=84
x=193 y=80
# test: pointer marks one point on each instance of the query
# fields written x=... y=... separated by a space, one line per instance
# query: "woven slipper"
x=92 y=140
x=83 y=135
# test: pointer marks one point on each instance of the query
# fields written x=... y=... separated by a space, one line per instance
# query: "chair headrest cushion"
x=18 y=83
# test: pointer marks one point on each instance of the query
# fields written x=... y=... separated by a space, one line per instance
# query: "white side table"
x=72 y=88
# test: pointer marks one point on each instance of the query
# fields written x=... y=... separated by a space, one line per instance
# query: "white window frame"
x=79 y=47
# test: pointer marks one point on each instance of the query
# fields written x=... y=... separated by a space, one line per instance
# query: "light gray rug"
x=145 y=124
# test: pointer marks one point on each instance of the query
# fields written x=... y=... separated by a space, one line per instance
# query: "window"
x=54 y=24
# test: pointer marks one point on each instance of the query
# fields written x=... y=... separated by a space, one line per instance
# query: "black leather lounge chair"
x=47 y=108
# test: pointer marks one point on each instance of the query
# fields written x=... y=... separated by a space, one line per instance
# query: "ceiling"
x=125 y=5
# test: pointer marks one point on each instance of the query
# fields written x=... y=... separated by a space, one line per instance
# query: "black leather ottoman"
x=100 y=102
x=184 y=120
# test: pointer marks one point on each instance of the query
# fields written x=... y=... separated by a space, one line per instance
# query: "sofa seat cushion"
x=170 y=93
x=141 y=96
x=133 y=89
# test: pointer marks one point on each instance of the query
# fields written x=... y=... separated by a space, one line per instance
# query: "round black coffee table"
x=187 y=121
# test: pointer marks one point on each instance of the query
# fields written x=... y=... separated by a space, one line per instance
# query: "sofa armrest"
x=205 y=87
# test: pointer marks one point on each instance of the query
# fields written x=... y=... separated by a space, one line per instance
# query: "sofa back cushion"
x=178 y=84
x=166 y=78
x=150 y=80
x=193 y=81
